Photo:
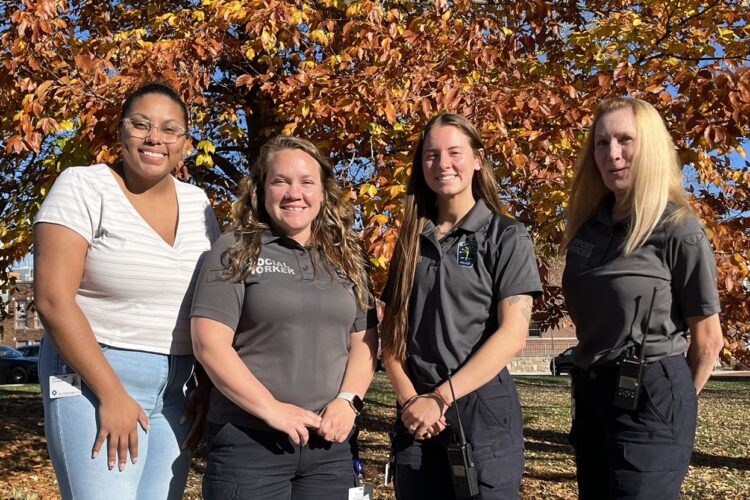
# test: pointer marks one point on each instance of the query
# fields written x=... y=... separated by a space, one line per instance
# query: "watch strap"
x=354 y=401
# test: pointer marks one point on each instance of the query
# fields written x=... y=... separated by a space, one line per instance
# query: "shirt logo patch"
x=272 y=266
x=581 y=248
x=467 y=253
x=341 y=274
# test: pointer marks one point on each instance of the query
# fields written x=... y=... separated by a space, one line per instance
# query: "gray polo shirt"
x=292 y=320
x=458 y=284
x=607 y=292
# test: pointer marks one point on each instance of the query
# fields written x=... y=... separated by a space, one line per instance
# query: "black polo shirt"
x=458 y=284
x=608 y=293
x=292 y=320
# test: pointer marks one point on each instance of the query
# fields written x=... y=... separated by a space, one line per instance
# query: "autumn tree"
x=360 y=78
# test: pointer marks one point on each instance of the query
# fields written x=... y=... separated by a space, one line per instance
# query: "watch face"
x=358 y=403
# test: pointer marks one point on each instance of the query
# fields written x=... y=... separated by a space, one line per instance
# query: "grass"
x=720 y=467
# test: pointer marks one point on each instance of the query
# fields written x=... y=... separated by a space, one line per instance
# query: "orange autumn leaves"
x=360 y=78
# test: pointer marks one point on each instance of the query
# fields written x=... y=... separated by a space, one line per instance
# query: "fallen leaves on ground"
x=720 y=467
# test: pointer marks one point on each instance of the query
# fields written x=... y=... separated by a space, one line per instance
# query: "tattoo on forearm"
x=526 y=303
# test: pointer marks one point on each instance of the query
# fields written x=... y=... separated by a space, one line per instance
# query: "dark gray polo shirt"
x=458 y=284
x=292 y=320
x=607 y=292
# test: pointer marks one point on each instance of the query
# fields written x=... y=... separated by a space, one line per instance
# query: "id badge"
x=388 y=476
x=64 y=386
x=391 y=463
x=363 y=492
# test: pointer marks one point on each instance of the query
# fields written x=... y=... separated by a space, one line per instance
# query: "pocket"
x=407 y=451
x=216 y=432
x=219 y=489
x=498 y=408
x=499 y=468
x=679 y=374
x=649 y=457
x=685 y=401
x=50 y=357
x=494 y=399
x=659 y=401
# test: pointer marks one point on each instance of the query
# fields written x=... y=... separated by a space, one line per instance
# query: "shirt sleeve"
x=516 y=272
x=366 y=318
x=72 y=203
x=693 y=268
x=215 y=297
x=212 y=225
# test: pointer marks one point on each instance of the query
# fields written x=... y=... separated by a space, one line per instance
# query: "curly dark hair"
x=333 y=237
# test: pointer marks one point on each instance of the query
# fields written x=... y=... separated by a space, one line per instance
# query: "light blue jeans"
x=159 y=383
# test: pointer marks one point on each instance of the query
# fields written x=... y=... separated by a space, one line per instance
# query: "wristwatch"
x=354 y=401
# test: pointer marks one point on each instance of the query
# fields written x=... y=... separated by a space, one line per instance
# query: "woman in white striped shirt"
x=117 y=251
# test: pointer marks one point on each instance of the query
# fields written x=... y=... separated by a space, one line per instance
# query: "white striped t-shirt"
x=136 y=289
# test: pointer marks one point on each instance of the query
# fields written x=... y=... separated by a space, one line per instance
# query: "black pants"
x=265 y=465
x=491 y=417
x=641 y=454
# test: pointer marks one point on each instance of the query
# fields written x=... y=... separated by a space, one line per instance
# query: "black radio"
x=628 y=387
x=463 y=471
x=461 y=459
x=630 y=370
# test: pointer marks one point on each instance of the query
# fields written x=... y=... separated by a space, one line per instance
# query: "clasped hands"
x=333 y=424
x=424 y=415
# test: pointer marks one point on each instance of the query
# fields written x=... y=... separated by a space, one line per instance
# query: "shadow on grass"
x=715 y=461
x=379 y=404
x=547 y=441
x=375 y=422
x=551 y=476
x=557 y=442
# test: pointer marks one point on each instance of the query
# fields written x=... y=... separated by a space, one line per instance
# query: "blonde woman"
x=640 y=285
x=284 y=325
x=458 y=300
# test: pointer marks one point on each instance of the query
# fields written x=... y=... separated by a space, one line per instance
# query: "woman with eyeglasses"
x=117 y=251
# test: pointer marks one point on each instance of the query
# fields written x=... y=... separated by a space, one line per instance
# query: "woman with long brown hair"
x=458 y=303
x=284 y=324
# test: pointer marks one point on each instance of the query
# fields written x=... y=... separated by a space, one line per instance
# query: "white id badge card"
x=363 y=492
x=64 y=386
x=387 y=476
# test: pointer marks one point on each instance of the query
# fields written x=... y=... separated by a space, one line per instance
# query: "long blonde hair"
x=419 y=207
x=333 y=238
x=656 y=178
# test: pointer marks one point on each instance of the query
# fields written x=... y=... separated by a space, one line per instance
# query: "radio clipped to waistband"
x=461 y=459
x=631 y=366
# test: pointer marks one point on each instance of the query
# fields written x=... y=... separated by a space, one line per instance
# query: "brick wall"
x=547 y=347
x=22 y=325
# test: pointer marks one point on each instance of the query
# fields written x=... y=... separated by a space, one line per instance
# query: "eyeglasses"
x=140 y=128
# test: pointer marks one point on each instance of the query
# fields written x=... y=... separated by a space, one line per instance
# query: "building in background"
x=21 y=325
x=542 y=347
